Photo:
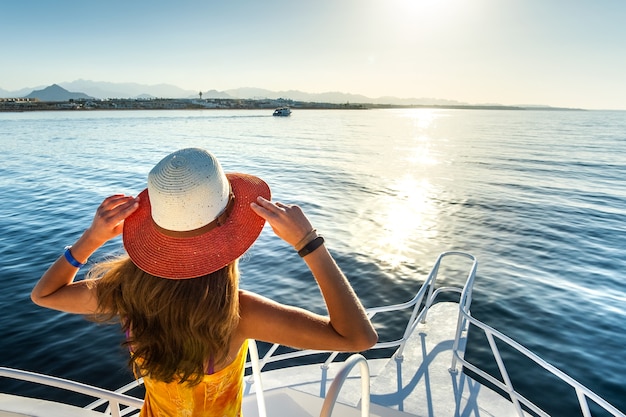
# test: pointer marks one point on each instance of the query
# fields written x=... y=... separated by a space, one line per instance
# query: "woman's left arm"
x=56 y=289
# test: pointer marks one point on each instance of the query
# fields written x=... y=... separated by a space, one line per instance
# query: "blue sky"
x=552 y=52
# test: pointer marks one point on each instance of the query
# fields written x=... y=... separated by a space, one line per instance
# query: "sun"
x=412 y=20
x=421 y=6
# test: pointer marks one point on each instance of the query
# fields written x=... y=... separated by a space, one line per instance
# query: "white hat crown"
x=188 y=189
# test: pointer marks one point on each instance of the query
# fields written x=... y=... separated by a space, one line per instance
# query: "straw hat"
x=193 y=219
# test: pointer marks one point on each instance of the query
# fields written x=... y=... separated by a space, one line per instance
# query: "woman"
x=176 y=293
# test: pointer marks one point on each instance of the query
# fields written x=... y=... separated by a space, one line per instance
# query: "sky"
x=565 y=53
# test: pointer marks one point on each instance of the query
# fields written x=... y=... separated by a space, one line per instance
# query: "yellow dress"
x=218 y=395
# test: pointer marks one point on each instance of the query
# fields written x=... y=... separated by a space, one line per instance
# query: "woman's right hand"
x=287 y=220
x=108 y=221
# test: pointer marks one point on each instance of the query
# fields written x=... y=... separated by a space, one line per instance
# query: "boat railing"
x=340 y=378
x=420 y=303
x=256 y=374
x=465 y=319
x=126 y=388
x=119 y=404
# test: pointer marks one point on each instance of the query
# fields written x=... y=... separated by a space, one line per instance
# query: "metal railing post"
x=256 y=374
x=340 y=378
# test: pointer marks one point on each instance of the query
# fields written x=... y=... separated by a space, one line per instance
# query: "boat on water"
x=282 y=111
x=427 y=373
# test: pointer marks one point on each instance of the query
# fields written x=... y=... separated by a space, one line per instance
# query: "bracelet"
x=311 y=246
x=71 y=259
x=305 y=240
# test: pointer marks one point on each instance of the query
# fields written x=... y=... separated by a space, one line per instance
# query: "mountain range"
x=85 y=89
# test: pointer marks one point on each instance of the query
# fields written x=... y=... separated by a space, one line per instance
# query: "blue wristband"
x=71 y=259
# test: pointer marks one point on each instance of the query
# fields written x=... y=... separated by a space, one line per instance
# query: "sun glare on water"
x=407 y=212
x=401 y=212
x=406 y=217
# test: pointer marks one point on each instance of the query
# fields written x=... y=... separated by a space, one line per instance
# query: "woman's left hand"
x=288 y=221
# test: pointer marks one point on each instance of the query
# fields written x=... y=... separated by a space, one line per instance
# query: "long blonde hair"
x=173 y=327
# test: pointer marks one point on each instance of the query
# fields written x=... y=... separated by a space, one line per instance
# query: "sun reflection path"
x=398 y=219
x=407 y=217
x=421 y=155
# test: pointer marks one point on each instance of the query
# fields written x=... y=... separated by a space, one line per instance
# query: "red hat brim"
x=191 y=257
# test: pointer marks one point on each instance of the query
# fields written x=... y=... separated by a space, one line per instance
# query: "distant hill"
x=14 y=94
x=57 y=93
x=329 y=97
x=107 y=90
x=104 y=90
x=216 y=94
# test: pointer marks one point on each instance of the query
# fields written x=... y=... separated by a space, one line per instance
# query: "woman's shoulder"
x=256 y=312
x=250 y=302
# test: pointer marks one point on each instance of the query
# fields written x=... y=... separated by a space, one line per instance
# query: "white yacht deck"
x=420 y=384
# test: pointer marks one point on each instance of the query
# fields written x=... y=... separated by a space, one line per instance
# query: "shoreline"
x=232 y=104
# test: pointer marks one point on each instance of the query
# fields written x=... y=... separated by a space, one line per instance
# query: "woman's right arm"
x=347 y=327
x=56 y=289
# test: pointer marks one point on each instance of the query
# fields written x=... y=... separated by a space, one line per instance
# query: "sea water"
x=539 y=197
